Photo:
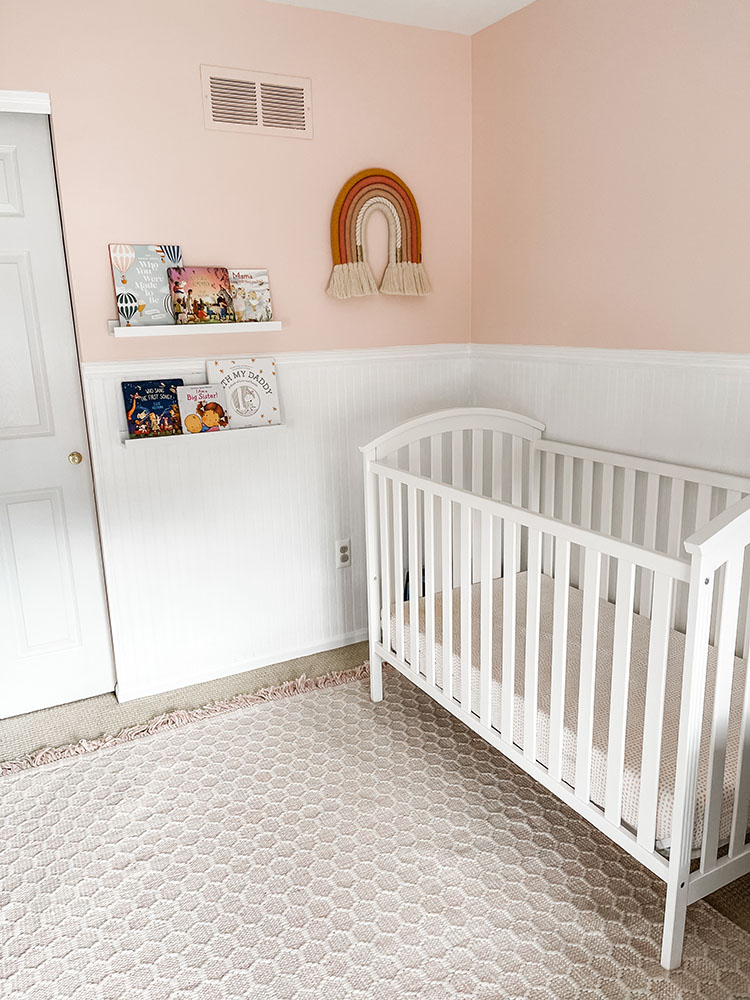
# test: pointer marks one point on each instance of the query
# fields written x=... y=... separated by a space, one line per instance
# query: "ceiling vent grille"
x=238 y=100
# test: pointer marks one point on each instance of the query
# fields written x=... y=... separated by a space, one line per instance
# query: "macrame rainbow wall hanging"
x=369 y=191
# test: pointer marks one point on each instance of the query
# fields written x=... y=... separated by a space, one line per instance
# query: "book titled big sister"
x=202 y=408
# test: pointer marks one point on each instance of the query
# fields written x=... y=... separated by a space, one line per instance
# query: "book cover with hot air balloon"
x=139 y=272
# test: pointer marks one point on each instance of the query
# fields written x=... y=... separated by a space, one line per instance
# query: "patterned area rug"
x=322 y=847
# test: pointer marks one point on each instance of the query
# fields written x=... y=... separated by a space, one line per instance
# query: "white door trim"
x=28 y=102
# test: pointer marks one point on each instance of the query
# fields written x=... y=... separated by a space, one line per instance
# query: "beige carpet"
x=93 y=717
x=322 y=847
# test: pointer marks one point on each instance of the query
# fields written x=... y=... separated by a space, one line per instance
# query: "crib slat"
x=497 y=494
x=618 y=704
x=605 y=522
x=466 y=518
x=703 y=506
x=436 y=458
x=567 y=498
x=385 y=559
x=587 y=499
x=477 y=462
x=477 y=488
x=446 y=517
x=548 y=507
x=485 y=663
x=436 y=474
x=415 y=576
x=741 y=808
x=533 y=599
x=589 y=627
x=656 y=683
x=516 y=471
x=649 y=539
x=535 y=472
x=728 y=619
x=510 y=549
x=628 y=505
x=429 y=576
x=559 y=656
x=497 y=465
x=587 y=492
x=676 y=504
x=457 y=449
x=398 y=566
x=517 y=483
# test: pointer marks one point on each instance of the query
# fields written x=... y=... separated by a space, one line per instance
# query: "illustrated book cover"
x=250 y=388
x=201 y=295
x=202 y=408
x=151 y=408
x=139 y=272
x=251 y=295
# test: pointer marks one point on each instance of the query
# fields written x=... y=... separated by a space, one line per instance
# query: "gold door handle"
x=75 y=458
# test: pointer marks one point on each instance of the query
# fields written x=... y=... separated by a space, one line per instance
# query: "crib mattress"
x=636 y=699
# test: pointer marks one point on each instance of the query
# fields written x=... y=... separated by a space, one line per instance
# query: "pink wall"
x=611 y=175
x=136 y=164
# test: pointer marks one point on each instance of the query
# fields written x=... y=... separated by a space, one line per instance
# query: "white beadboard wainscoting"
x=693 y=409
x=219 y=551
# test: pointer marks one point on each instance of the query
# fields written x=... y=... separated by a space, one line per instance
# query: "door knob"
x=75 y=458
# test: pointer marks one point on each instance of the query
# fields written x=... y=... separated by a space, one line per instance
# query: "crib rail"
x=425 y=529
x=658 y=504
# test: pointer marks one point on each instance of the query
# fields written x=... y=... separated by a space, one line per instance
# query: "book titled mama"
x=250 y=388
x=151 y=407
x=251 y=295
x=202 y=408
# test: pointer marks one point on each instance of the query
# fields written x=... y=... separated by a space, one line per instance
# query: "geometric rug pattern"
x=320 y=847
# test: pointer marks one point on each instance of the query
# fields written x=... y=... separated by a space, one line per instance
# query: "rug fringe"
x=183 y=717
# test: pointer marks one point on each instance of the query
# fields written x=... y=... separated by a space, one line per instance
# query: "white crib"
x=586 y=613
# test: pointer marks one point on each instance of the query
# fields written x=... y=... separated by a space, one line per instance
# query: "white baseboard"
x=125 y=692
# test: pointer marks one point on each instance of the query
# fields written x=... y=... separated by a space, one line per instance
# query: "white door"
x=54 y=631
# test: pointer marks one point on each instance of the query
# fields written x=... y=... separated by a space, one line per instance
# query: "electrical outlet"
x=343 y=553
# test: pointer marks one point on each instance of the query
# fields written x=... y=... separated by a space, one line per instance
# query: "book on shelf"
x=251 y=294
x=202 y=408
x=151 y=408
x=201 y=295
x=250 y=388
x=139 y=273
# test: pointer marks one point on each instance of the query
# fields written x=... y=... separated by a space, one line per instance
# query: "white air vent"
x=240 y=100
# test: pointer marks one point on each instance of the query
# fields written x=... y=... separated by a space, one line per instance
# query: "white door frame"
x=27 y=102
x=30 y=102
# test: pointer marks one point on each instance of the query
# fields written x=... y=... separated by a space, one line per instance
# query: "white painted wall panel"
x=219 y=550
x=691 y=409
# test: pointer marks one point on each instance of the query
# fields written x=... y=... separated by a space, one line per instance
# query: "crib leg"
x=376 y=676
x=674 y=924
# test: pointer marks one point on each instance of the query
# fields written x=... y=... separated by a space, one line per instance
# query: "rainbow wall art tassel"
x=376 y=190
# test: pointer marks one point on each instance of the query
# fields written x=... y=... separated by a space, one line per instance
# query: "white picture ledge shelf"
x=191 y=329
x=129 y=442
